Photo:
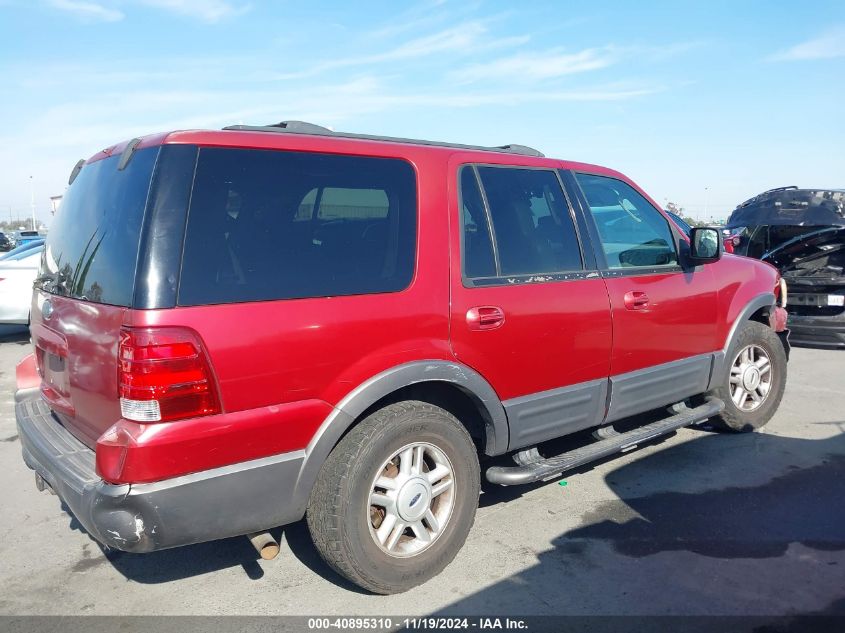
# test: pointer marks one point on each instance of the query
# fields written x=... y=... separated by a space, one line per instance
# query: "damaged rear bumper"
x=229 y=501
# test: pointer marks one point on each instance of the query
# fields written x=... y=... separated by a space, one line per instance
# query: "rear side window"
x=632 y=232
x=92 y=247
x=533 y=228
x=267 y=225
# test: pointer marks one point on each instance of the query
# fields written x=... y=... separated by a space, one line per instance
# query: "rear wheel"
x=396 y=498
x=754 y=383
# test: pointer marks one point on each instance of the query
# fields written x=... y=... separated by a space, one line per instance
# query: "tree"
x=679 y=210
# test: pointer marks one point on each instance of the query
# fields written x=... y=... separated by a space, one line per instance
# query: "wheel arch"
x=757 y=309
x=432 y=381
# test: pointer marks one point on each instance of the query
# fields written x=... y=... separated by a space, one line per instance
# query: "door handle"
x=485 y=318
x=636 y=300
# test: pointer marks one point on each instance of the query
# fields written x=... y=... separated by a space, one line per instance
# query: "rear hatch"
x=85 y=285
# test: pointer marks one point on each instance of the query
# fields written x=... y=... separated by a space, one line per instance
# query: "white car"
x=17 y=273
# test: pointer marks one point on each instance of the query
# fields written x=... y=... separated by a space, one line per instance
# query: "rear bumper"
x=817 y=331
x=213 y=504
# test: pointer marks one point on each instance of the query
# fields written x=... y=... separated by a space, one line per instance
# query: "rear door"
x=664 y=316
x=529 y=311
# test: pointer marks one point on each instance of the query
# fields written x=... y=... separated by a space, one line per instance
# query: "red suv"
x=235 y=329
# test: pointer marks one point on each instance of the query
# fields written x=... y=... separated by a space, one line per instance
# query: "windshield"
x=92 y=249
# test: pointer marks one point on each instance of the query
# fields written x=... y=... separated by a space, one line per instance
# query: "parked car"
x=802 y=233
x=17 y=273
x=22 y=249
x=25 y=237
x=261 y=324
x=6 y=243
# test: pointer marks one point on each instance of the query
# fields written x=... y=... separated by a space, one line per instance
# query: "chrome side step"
x=531 y=470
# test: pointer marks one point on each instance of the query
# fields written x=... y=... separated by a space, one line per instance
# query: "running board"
x=549 y=468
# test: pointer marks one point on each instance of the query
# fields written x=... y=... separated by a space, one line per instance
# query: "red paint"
x=281 y=366
x=26 y=373
x=130 y=452
x=777 y=319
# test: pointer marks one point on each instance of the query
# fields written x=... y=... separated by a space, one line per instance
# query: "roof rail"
x=302 y=127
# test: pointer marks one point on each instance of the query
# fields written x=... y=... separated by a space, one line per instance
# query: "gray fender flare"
x=385 y=383
x=720 y=360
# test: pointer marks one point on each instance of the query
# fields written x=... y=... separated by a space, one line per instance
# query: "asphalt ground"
x=700 y=523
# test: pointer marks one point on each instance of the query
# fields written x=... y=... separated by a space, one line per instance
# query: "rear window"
x=92 y=248
x=265 y=225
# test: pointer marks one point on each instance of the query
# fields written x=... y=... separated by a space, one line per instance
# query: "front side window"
x=533 y=229
x=632 y=232
x=266 y=225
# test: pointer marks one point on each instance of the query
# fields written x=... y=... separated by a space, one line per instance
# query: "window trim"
x=523 y=278
x=598 y=247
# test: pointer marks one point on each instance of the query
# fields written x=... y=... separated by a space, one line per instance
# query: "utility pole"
x=32 y=201
x=706 y=190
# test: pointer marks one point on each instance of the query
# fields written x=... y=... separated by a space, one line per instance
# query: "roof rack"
x=765 y=193
x=302 y=127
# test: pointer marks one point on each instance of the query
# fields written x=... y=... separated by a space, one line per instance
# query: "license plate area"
x=54 y=372
x=818 y=300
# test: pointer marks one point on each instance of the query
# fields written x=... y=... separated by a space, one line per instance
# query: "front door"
x=529 y=311
x=664 y=316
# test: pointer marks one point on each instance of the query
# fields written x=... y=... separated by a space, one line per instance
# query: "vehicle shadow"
x=717 y=496
x=180 y=562
x=704 y=527
x=203 y=558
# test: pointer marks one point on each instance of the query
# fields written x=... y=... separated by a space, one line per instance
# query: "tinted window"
x=92 y=248
x=531 y=222
x=266 y=225
x=632 y=231
x=478 y=248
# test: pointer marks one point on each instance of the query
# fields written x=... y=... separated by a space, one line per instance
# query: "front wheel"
x=396 y=498
x=754 y=383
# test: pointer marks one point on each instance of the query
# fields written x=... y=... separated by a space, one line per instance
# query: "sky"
x=702 y=103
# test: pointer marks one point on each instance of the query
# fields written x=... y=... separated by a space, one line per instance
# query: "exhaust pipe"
x=264 y=543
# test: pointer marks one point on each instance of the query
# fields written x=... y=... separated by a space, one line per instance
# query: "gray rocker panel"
x=661 y=385
x=549 y=414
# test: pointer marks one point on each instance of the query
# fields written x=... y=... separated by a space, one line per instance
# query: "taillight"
x=164 y=375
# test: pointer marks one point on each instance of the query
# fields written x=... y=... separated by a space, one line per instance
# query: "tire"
x=347 y=527
x=743 y=414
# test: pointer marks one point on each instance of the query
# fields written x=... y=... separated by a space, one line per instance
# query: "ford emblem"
x=47 y=309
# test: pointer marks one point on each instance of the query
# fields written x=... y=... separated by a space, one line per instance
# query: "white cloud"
x=206 y=10
x=534 y=66
x=89 y=11
x=828 y=45
x=465 y=38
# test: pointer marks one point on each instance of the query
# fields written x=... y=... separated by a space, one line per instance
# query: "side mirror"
x=705 y=245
